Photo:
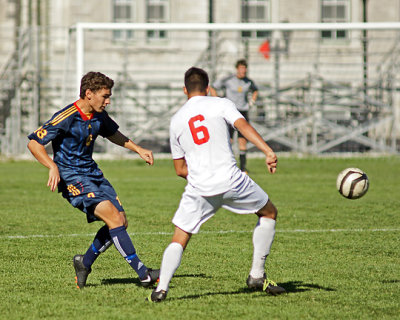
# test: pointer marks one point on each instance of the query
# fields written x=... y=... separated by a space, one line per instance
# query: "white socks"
x=263 y=236
x=171 y=260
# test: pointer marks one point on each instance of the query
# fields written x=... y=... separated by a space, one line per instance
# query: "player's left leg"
x=249 y=200
x=171 y=261
x=263 y=237
x=116 y=222
x=243 y=145
x=242 y=153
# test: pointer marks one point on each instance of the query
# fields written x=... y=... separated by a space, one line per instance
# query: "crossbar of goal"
x=80 y=28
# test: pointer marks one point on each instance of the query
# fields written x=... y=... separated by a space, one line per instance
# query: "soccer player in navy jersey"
x=72 y=132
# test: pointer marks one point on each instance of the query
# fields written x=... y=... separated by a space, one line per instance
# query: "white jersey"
x=199 y=133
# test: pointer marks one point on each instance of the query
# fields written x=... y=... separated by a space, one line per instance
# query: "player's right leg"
x=171 y=260
x=193 y=211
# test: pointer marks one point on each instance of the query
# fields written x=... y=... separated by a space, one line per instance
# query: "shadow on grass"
x=390 y=281
x=136 y=281
x=291 y=287
x=300 y=286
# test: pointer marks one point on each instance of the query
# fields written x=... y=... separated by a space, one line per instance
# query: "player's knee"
x=125 y=220
x=268 y=211
x=120 y=219
x=110 y=215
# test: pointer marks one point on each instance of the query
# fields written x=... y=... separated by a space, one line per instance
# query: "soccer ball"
x=352 y=183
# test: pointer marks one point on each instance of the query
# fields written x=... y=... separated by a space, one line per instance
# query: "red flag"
x=264 y=49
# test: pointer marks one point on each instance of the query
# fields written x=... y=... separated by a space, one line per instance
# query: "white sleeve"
x=231 y=113
x=176 y=149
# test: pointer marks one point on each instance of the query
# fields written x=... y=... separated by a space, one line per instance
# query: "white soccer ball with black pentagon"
x=352 y=183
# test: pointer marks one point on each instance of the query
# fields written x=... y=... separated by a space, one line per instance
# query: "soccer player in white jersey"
x=202 y=154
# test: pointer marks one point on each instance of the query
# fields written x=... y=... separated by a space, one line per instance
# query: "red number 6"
x=196 y=130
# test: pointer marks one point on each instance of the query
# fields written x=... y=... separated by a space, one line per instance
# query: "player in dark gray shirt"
x=237 y=88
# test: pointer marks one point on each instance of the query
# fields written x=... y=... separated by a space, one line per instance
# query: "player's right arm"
x=40 y=153
x=247 y=130
x=181 y=167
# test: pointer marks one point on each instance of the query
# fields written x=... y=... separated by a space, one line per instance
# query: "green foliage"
x=337 y=258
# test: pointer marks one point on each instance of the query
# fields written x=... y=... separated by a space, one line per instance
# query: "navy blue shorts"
x=232 y=130
x=86 y=191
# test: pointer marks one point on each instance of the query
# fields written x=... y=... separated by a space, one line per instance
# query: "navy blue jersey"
x=72 y=135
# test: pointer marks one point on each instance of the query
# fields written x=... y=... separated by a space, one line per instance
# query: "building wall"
x=6 y=29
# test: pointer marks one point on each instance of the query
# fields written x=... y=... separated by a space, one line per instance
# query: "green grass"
x=337 y=258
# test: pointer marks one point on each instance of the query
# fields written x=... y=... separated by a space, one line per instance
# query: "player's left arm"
x=119 y=139
x=254 y=90
x=213 y=92
x=181 y=167
x=253 y=98
x=247 y=130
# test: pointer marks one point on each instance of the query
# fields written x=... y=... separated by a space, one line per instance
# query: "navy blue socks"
x=102 y=241
x=124 y=245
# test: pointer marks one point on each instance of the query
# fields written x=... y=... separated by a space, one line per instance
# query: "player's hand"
x=54 y=178
x=252 y=103
x=147 y=155
x=271 y=161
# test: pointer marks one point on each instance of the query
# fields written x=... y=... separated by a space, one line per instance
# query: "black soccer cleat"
x=157 y=296
x=272 y=288
x=81 y=271
x=150 y=278
x=255 y=283
x=264 y=284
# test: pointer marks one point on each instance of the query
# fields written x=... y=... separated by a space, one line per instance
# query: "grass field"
x=337 y=258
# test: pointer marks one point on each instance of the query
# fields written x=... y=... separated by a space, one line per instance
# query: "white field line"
x=201 y=232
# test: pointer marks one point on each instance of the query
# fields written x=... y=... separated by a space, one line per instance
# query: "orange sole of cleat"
x=76 y=281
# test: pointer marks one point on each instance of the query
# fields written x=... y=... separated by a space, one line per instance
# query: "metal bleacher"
x=315 y=96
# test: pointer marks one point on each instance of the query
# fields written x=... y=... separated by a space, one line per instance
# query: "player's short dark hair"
x=241 y=62
x=196 y=79
x=94 y=81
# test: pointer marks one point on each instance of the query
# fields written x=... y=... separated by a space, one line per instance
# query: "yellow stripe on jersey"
x=62 y=116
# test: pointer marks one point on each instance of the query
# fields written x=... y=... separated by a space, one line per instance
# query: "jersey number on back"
x=200 y=134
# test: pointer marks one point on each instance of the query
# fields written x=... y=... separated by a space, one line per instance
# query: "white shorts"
x=194 y=209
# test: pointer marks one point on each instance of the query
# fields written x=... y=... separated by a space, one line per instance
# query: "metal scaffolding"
x=315 y=96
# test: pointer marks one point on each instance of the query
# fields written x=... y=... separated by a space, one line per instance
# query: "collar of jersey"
x=84 y=116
